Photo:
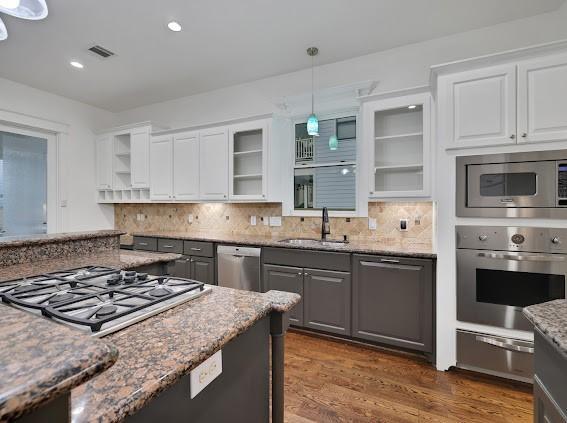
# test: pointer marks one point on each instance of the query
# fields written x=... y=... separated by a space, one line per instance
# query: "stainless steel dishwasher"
x=239 y=267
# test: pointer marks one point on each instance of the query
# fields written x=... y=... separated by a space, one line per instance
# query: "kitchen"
x=310 y=225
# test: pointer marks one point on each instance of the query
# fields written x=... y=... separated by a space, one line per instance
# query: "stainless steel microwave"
x=513 y=185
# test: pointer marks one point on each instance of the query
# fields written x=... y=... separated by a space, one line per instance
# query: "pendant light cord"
x=313 y=84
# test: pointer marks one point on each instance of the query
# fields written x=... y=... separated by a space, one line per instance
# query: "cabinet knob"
x=555 y=240
x=513 y=137
x=483 y=237
x=306 y=274
x=299 y=273
x=524 y=135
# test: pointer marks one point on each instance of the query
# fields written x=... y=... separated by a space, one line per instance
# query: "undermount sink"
x=312 y=241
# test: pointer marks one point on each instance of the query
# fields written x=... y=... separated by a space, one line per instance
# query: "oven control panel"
x=562 y=184
x=506 y=238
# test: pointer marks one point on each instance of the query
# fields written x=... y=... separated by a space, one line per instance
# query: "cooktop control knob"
x=518 y=238
x=555 y=240
x=483 y=237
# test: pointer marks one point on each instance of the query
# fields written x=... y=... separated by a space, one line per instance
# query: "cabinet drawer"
x=305 y=258
x=167 y=245
x=145 y=243
x=198 y=248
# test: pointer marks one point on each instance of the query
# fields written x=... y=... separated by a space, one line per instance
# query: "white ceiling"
x=223 y=42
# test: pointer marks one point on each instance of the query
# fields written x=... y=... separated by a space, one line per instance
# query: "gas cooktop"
x=99 y=300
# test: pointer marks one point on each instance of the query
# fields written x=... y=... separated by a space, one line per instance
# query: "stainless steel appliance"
x=500 y=270
x=239 y=267
x=99 y=300
x=530 y=184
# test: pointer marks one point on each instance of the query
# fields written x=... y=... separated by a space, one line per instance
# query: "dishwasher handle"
x=237 y=251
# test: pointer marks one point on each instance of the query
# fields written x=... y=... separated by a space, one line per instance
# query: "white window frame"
x=56 y=135
x=361 y=202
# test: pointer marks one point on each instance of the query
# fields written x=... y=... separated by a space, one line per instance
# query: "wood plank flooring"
x=330 y=381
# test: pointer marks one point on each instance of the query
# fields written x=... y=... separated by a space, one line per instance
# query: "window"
x=23 y=184
x=325 y=171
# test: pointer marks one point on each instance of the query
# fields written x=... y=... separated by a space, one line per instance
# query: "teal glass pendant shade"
x=313 y=125
x=333 y=142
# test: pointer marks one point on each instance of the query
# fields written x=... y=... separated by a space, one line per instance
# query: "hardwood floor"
x=329 y=381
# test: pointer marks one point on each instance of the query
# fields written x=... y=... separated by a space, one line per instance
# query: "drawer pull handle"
x=505 y=345
x=195 y=249
x=389 y=261
x=168 y=246
x=299 y=273
x=144 y=244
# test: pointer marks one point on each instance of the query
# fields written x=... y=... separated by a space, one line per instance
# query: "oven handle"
x=540 y=257
x=505 y=345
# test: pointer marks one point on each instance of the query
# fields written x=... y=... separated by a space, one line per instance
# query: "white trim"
x=31 y=122
x=420 y=89
x=125 y=129
x=208 y=125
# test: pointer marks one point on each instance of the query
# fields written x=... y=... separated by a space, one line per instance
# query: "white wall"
x=398 y=68
x=82 y=212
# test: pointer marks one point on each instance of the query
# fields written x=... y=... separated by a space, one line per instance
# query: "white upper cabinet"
x=248 y=157
x=397 y=134
x=213 y=164
x=186 y=166
x=542 y=99
x=104 y=162
x=479 y=107
x=161 y=168
x=140 y=157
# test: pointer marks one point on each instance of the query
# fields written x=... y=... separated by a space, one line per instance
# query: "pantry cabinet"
x=515 y=103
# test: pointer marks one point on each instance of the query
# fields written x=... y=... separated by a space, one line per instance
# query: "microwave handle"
x=510 y=346
x=540 y=257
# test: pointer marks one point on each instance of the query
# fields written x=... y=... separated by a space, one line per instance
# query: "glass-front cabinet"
x=248 y=157
x=398 y=132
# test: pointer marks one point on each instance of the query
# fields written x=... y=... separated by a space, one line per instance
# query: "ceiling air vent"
x=101 y=51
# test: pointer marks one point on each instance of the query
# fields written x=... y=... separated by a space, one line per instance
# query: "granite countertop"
x=19 y=241
x=354 y=246
x=551 y=319
x=156 y=352
x=40 y=360
x=120 y=259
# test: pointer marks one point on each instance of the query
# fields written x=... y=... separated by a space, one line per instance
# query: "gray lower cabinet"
x=393 y=301
x=287 y=279
x=201 y=269
x=546 y=409
x=327 y=301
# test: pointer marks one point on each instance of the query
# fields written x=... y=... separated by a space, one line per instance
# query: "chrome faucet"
x=325 y=225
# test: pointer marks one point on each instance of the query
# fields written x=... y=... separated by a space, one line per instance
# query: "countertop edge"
x=544 y=324
x=59 y=238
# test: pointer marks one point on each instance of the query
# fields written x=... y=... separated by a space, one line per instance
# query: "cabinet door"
x=542 y=100
x=203 y=269
x=161 y=164
x=287 y=279
x=213 y=163
x=481 y=107
x=104 y=162
x=140 y=158
x=327 y=301
x=179 y=268
x=393 y=301
x=248 y=158
x=186 y=166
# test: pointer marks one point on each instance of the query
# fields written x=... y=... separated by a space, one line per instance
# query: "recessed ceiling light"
x=413 y=106
x=174 y=26
x=76 y=64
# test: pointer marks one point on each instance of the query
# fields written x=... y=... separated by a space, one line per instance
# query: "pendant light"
x=24 y=9
x=312 y=121
x=333 y=143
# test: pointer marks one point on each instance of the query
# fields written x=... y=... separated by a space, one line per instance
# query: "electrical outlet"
x=403 y=225
x=190 y=218
x=372 y=225
x=253 y=220
x=417 y=220
x=275 y=220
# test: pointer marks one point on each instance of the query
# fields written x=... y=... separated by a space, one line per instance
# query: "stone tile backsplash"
x=235 y=219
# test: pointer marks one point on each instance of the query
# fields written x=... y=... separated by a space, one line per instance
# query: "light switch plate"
x=275 y=220
x=372 y=225
x=253 y=220
x=266 y=220
x=205 y=373
x=190 y=218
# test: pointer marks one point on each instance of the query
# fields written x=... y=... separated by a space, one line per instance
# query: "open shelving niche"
x=247 y=162
x=122 y=190
x=398 y=149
